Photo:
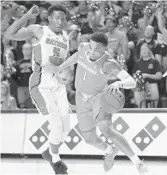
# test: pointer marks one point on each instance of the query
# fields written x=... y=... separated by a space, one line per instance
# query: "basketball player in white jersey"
x=50 y=49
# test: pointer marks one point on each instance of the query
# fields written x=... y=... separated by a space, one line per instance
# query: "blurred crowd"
x=137 y=34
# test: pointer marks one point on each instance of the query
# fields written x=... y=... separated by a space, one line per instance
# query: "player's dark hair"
x=57 y=7
x=99 y=38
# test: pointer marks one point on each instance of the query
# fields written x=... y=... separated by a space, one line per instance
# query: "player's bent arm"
x=127 y=81
x=69 y=62
x=17 y=32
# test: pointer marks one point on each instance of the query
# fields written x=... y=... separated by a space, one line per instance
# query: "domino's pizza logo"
x=40 y=137
x=73 y=139
x=148 y=134
x=120 y=125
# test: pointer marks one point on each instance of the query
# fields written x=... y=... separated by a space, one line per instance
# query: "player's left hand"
x=112 y=88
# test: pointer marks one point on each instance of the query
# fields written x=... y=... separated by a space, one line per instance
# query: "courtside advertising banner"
x=145 y=132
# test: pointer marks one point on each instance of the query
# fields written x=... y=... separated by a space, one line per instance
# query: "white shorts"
x=49 y=95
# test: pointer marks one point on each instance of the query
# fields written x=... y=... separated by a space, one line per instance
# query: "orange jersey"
x=90 y=78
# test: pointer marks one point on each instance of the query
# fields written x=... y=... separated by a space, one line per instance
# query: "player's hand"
x=34 y=11
x=113 y=88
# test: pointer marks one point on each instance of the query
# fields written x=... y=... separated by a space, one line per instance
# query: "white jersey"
x=50 y=45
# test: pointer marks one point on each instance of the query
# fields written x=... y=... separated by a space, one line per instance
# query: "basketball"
x=112 y=103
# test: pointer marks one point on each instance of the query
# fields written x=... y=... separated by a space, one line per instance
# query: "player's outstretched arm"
x=16 y=30
x=69 y=62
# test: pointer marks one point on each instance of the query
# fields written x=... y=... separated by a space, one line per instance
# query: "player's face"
x=57 y=20
x=96 y=50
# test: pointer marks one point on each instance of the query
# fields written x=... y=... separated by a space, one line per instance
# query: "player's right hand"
x=113 y=88
x=34 y=11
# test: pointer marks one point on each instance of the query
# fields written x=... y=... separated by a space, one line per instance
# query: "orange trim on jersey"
x=35 y=80
x=38 y=54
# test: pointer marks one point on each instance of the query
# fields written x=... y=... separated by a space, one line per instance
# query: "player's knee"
x=64 y=111
x=56 y=126
x=89 y=138
x=64 y=136
x=55 y=137
x=56 y=130
x=106 y=128
x=103 y=125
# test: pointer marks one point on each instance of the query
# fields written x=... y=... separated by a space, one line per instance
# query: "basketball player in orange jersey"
x=50 y=49
x=91 y=79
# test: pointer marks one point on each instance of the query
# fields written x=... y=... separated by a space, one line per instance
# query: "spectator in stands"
x=148 y=38
x=114 y=4
x=8 y=61
x=2 y=75
x=23 y=72
x=7 y=101
x=74 y=34
x=14 y=12
x=82 y=10
x=117 y=40
x=162 y=24
x=126 y=7
x=151 y=73
x=32 y=21
x=7 y=52
x=140 y=28
x=88 y=27
x=43 y=17
x=8 y=12
x=161 y=51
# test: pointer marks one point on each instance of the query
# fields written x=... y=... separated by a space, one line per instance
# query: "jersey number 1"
x=84 y=77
